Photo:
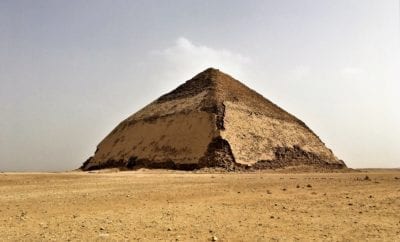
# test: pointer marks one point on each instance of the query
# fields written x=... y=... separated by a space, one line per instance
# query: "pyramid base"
x=219 y=155
x=295 y=156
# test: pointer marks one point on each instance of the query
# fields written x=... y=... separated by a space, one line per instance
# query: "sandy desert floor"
x=187 y=206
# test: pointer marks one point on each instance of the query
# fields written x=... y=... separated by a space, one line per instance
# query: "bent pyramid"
x=212 y=120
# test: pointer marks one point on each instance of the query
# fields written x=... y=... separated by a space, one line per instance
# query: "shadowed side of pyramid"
x=212 y=120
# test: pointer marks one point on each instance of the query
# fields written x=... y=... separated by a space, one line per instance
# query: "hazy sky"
x=70 y=71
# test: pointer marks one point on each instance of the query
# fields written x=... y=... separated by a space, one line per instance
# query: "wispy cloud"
x=184 y=59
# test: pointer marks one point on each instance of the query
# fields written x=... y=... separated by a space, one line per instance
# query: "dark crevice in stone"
x=131 y=162
x=219 y=110
x=220 y=117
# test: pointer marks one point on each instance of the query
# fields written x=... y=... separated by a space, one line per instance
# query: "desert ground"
x=150 y=205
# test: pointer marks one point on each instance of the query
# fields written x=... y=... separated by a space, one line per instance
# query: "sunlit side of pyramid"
x=212 y=120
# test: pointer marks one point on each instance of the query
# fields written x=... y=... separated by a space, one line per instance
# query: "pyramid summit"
x=212 y=120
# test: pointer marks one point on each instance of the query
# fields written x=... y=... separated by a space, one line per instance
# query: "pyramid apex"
x=211 y=69
x=211 y=73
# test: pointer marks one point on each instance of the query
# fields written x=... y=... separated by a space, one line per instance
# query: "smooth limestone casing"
x=253 y=137
x=181 y=133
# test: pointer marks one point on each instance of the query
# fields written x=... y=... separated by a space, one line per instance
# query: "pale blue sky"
x=72 y=70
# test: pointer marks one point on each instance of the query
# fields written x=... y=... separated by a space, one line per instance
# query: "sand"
x=176 y=205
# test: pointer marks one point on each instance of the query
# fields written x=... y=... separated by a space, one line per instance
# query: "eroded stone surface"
x=212 y=120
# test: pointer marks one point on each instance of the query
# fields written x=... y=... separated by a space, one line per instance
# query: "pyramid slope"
x=212 y=120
